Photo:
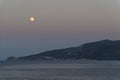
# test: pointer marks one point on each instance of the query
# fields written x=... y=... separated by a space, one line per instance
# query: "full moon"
x=32 y=19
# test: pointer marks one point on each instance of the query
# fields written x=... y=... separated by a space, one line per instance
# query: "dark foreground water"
x=80 y=70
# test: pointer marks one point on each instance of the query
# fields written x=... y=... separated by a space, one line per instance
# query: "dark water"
x=83 y=70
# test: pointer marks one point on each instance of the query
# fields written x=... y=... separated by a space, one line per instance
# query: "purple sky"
x=59 y=24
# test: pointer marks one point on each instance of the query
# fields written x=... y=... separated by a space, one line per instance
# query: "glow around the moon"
x=32 y=19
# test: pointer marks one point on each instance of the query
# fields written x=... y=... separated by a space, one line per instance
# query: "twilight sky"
x=59 y=24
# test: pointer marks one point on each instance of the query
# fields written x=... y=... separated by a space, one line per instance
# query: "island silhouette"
x=99 y=50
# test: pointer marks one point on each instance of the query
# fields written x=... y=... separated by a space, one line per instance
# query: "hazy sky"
x=59 y=24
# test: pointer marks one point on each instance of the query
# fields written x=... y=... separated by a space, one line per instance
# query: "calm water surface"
x=80 y=70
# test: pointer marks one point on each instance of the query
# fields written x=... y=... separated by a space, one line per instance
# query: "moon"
x=32 y=19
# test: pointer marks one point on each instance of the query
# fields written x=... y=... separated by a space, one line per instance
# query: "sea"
x=61 y=70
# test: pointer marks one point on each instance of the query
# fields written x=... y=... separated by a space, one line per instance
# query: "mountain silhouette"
x=99 y=50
